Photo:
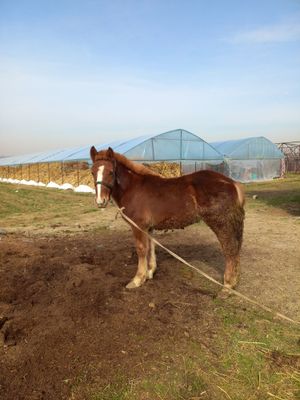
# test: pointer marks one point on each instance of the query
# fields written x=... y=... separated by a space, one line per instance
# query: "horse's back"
x=206 y=185
x=211 y=186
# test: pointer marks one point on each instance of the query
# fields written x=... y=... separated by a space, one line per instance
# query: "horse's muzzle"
x=103 y=204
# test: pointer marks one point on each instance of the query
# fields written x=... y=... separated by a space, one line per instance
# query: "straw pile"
x=75 y=173
x=168 y=170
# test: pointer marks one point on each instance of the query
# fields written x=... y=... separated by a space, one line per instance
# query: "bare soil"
x=64 y=307
x=66 y=318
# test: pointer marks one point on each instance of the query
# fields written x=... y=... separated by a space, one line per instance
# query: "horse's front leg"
x=152 y=265
x=142 y=248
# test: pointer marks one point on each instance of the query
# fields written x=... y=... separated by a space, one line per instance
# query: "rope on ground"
x=233 y=291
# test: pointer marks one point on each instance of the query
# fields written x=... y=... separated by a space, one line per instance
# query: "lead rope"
x=233 y=291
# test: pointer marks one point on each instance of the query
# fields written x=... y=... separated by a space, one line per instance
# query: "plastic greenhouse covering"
x=174 y=145
x=251 y=159
x=254 y=148
x=245 y=160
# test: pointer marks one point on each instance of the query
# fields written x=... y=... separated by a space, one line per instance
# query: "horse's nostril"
x=101 y=203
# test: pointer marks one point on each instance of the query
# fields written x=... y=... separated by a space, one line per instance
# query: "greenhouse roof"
x=174 y=145
x=252 y=148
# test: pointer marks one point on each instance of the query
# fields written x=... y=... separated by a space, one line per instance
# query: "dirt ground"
x=64 y=306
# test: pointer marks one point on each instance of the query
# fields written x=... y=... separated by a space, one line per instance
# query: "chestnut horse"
x=155 y=202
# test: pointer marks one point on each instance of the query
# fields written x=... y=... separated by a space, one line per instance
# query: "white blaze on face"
x=99 y=179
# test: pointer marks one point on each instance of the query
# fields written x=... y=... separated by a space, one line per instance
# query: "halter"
x=109 y=185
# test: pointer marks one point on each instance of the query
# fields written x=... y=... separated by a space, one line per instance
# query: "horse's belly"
x=177 y=222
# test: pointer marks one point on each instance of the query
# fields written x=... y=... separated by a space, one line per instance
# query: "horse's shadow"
x=207 y=257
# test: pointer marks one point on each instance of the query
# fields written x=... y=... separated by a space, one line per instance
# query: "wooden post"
x=77 y=173
x=62 y=172
x=38 y=171
x=29 y=172
x=21 y=172
x=48 y=172
x=7 y=171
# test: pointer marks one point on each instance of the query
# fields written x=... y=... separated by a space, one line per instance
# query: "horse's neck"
x=124 y=180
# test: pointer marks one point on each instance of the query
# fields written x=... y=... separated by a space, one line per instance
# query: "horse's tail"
x=240 y=193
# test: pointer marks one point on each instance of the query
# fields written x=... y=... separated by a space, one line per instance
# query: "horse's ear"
x=93 y=153
x=110 y=153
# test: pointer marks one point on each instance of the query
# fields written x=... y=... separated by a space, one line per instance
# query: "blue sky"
x=82 y=72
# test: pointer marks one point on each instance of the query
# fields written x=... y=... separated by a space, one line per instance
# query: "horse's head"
x=104 y=173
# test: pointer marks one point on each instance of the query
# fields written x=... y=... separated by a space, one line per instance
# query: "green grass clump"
x=16 y=199
x=280 y=193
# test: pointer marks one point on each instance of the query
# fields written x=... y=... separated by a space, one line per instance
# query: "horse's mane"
x=131 y=165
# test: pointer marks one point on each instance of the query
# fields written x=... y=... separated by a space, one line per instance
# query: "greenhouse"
x=171 y=153
x=176 y=145
x=251 y=159
x=183 y=150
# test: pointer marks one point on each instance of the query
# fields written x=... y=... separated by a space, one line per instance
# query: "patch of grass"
x=113 y=391
x=90 y=210
x=252 y=339
x=173 y=385
x=24 y=206
x=280 y=193
x=16 y=199
x=100 y=228
x=181 y=383
x=251 y=356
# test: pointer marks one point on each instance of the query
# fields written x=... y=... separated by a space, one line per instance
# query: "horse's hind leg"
x=232 y=271
x=229 y=231
x=231 y=251
x=151 y=260
x=142 y=247
x=231 y=237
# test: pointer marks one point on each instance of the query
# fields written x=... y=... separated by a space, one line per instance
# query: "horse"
x=155 y=202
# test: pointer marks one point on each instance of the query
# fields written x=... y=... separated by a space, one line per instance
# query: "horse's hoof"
x=225 y=292
x=150 y=274
x=227 y=287
x=133 y=284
